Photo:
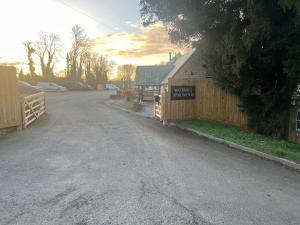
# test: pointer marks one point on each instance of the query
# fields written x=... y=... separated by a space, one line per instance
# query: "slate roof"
x=179 y=63
x=151 y=75
x=159 y=75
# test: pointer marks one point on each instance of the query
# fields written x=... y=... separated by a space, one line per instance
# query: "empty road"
x=86 y=163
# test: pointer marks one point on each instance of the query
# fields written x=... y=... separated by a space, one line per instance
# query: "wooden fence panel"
x=10 y=107
x=211 y=103
x=217 y=104
x=179 y=110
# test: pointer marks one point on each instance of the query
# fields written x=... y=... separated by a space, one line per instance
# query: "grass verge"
x=122 y=103
x=276 y=147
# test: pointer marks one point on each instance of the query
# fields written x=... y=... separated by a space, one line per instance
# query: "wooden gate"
x=10 y=108
x=34 y=106
x=157 y=107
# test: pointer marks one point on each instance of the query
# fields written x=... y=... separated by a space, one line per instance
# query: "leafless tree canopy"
x=126 y=74
x=81 y=60
x=77 y=53
x=47 y=48
x=96 y=67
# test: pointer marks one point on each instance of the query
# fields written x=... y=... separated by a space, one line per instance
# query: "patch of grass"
x=122 y=103
x=277 y=147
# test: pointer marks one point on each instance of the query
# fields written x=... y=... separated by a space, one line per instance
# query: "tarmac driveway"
x=86 y=163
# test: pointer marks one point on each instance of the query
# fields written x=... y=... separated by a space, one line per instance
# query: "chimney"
x=170 y=56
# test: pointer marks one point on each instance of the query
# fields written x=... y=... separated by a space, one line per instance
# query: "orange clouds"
x=151 y=46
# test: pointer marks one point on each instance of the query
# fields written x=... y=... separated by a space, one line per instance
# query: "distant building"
x=149 y=78
x=152 y=80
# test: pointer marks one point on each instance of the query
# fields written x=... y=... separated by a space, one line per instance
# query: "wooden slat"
x=34 y=96
x=212 y=103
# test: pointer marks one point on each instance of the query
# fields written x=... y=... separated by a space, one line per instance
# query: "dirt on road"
x=86 y=163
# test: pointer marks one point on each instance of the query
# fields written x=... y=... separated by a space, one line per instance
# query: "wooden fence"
x=16 y=110
x=10 y=108
x=210 y=103
x=34 y=106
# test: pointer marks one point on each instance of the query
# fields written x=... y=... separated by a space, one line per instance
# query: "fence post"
x=22 y=108
x=164 y=108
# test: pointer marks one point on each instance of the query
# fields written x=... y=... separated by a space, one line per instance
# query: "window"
x=298 y=122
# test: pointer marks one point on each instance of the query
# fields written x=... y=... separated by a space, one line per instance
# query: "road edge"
x=125 y=110
x=276 y=159
x=263 y=155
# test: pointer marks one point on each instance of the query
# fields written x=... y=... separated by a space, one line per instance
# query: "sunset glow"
x=22 y=21
x=150 y=46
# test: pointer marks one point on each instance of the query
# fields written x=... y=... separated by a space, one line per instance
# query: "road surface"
x=86 y=163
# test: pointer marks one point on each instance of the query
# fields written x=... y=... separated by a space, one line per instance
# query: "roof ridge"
x=181 y=61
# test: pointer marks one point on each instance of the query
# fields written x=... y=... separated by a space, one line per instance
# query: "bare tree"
x=68 y=65
x=81 y=60
x=126 y=74
x=100 y=68
x=87 y=67
x=30 y=51
x=47 y=48
x=75 y=56
x=96 y=67
x=111 y=65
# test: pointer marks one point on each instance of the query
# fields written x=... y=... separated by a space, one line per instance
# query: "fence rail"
x=34 y=106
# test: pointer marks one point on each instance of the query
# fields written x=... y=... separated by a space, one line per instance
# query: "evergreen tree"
x=250 y=46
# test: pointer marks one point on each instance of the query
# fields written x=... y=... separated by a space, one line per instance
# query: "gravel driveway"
x=86 y=163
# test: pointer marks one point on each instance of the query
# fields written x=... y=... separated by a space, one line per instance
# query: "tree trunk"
x=43 y=68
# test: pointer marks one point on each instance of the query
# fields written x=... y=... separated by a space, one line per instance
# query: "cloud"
x=150 y=46
x=133 y=25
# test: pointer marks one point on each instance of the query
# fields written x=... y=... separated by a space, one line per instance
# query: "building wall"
x=193 y=68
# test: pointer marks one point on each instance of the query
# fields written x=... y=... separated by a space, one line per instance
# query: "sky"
x=113 y=26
